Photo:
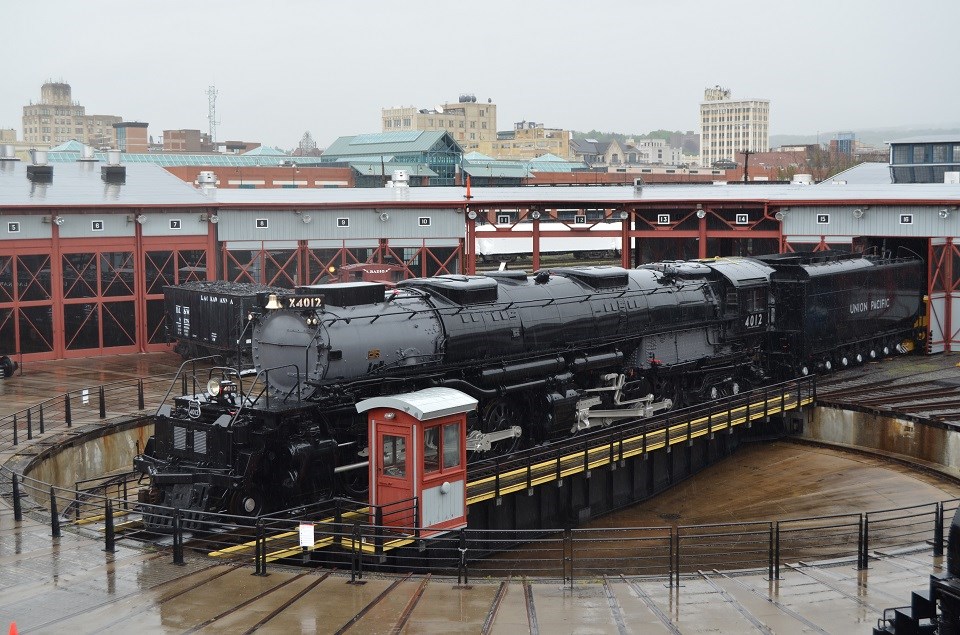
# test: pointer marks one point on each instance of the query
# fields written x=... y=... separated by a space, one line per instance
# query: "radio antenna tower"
x=212 y=112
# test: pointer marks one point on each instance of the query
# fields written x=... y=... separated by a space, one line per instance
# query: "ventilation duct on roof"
x=39 y=171
x=113 y=172
x=86 y=155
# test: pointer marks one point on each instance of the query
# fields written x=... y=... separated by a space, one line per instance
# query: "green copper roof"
x=403 y=142
x=265 y=151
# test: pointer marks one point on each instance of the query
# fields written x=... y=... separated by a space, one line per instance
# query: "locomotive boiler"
x=559 y=351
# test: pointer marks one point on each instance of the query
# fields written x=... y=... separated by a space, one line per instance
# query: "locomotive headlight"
x=221 y=388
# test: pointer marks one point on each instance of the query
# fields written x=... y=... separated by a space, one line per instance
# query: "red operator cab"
x=418 y=459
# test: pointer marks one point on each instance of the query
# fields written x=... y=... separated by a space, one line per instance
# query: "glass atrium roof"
x=168 y=159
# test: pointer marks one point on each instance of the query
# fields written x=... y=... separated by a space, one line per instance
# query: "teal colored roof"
x=168 y=159
x=375 y=169
x=265 y=151
x=70 y=146
x=386 y=158
x=553 y=163
x=500 y=169
x=406 y=141
x=545 y=163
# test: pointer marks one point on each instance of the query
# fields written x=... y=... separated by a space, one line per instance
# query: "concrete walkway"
x=70 y=584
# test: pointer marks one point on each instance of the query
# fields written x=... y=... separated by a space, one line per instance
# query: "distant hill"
x=869 y=136
x=596 y=135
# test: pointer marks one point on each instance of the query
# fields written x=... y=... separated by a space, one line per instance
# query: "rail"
x=352 y=534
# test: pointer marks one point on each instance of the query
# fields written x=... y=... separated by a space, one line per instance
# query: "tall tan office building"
x=58 y=119
x=528 y=140
x=730 y=126
x=469 y=122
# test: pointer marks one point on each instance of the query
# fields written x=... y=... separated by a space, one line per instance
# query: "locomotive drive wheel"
x=670 y=389
x=500 y=414
x=248 y=502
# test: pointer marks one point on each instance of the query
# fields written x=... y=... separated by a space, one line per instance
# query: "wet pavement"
x=784 y=479
x=71 y=584
x=34 y=382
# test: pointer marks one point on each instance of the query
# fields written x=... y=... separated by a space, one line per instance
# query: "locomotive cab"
x=745 y=289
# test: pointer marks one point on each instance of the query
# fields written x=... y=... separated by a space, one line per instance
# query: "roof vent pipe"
x=7 y=153
x=38 y=157
x=400 y=178
x=207 y=178
x=207 y=182
x=86 y=154
x=39 y=171
x=113 y=173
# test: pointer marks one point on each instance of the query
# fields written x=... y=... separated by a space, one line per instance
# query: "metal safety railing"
x=82 y=406
x=350 y=534
x=613 y=445
x=94 y=404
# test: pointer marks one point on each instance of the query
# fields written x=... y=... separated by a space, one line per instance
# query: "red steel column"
x=470 y=246
x=536 y=244
x=625 y=256
x=702 y=238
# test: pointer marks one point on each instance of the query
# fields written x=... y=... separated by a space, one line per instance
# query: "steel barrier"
x=343 y=536
x=89 y=405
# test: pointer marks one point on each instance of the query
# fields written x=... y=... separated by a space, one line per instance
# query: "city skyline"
x=628 y=68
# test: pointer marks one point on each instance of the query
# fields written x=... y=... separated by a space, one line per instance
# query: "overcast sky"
x=287 y=66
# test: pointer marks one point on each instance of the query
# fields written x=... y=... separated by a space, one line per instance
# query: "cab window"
x=441 y=447
x=394 y=456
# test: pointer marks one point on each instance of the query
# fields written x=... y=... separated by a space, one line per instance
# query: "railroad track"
x=913 y=388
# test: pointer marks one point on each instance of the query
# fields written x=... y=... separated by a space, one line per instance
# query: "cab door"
x=395 y=461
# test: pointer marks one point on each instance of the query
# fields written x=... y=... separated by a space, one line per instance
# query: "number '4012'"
x=754 y=320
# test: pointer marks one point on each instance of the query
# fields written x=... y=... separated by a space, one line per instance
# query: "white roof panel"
x=455 y=196
x=426 y=404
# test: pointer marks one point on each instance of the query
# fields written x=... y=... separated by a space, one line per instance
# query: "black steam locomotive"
x=546 y=356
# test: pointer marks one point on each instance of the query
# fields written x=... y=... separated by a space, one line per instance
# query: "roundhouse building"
x=85 y=254
x=88 y=247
